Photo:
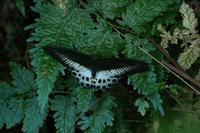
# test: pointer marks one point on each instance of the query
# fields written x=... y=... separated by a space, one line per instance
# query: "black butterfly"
x=95 y=73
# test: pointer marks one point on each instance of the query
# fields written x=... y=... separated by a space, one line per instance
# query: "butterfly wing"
x=120 y=67
x=106 y=71
x=104 y=80
x=109 y=71
x=68 y=57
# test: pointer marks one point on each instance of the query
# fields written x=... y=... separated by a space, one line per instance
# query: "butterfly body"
x=95 y=73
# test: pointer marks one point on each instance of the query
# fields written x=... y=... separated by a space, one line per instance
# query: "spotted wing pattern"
x=101 y=81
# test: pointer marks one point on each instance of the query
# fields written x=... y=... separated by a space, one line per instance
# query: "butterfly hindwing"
x=101 y=81
x=105 y=80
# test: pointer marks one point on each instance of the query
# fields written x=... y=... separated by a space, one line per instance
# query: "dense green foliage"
x=117 y=28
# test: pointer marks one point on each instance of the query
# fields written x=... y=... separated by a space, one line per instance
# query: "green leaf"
x=3 y=111
x=23 y=79
x=65 y=115
x=47 y=71
x=108 y=8
x=34 y=117
x=142 y=11
x=7 y=115
x=15 y=112
x=20 y=5
x=101 y=117
x=142 y=106
x=84 y=99
x=6 y=92
x=102 y=41
x=157 y=102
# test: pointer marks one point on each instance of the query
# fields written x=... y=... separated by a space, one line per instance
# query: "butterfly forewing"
x=68 y=57
x=120 y=68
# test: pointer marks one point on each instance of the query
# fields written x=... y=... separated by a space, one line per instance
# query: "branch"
x=176 y=99
x=198 y=92
x=182 y=73
x=164 y=52
x=184 y=110
x=175 y=67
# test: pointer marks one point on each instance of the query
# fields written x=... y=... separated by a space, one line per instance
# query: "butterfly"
x=95 y=73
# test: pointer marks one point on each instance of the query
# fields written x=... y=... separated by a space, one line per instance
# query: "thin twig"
x=183 y=74
x=165 y=54
x=198 y=92
x=178 y=101
x=60 y=92
x=134 y=121
x=184 y=110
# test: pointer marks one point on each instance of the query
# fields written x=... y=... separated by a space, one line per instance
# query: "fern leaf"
x=5 y=93
x=23 y=82
x=101 y=117
x=84 y=99
x=3 y=111
x=47 y=72
x=142 y=106
x=143 y=11
x=34 y=117
x=23 y=79
x=65 y=115
x=156 y=101
x=15 y=112
x=189 y=20
x=108 y=8
x=189 y=56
